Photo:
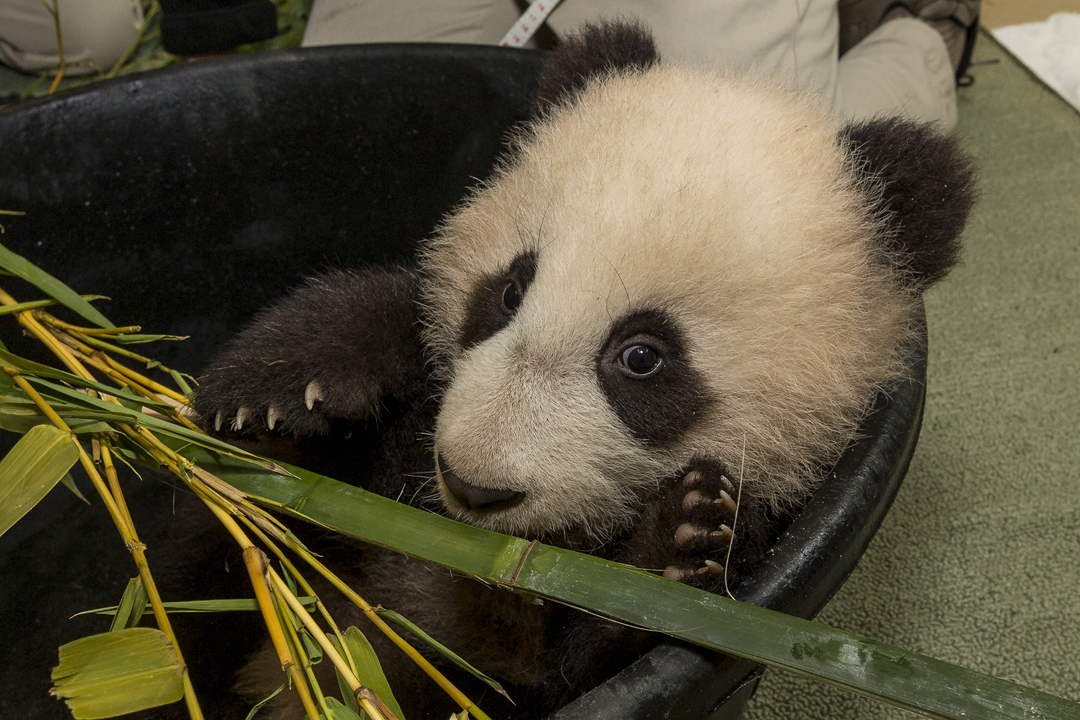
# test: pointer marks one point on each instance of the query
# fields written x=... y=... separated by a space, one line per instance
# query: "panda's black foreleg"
x=339 y=348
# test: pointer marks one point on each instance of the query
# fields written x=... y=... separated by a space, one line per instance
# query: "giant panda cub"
x=681 y=289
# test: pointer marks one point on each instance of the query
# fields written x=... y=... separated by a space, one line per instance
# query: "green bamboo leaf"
x=339 y=711
x=20 y=415
x=37 y=462
x=69 y=482
x=268 y=698
x=134 y=339
x=438 y=647
x=35 y=304
x=132 y=606
x=120 y=672
x=178 y=378
x=202 y=606
x=52 y=287
x=888 y=674
x=36 y=371
x=368 y=671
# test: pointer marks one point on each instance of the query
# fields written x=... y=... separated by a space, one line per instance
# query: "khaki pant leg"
x=900 y=68
x=336 y=22
x=95 y=32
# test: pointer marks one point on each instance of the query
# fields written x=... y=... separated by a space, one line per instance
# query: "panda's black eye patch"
x=495 y=299
x=646 y=375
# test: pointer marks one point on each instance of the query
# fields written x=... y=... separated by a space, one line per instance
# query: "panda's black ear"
x=920 y=186
x=595 y=51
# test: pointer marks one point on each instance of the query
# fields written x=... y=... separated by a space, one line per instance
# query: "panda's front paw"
x=297 y=408
x=716 y=531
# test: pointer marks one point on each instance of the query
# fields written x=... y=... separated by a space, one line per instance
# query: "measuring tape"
x=527 y=24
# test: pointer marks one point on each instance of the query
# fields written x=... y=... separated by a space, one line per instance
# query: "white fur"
x=725 y=202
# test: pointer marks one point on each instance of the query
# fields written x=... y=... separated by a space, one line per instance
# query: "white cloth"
x=95 y=34
x=902 y=66
x=1051 y=49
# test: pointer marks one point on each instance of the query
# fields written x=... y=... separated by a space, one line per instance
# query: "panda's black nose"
x=476 y=497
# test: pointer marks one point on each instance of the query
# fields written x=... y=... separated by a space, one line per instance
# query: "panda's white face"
x=677 y=265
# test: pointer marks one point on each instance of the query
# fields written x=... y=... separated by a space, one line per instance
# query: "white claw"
x=726 y=502
x=712 y=568
x=241 y=417
x=690 y=535
x=312 y=394
x=273 y=415
x=217 y=422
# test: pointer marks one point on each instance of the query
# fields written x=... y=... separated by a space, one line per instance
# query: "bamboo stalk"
x=127 y=532
x=430 y=670
x=328 y=649
x=255 y=561
x=886 y=673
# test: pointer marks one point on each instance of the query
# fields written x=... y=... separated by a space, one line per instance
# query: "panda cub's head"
x=674 y=264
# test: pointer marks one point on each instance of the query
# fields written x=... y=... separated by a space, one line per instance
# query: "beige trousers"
x=900 y=68
x=95 y=33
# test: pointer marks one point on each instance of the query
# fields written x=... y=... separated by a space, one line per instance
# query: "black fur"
x=356 y=334
x=919 y=184
x=596 y=51
x=487 y=311
x=664 y=405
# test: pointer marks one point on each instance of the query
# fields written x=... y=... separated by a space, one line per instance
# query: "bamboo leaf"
x=36 y=372
x=339 y=711
x=122 y=413
x=132 y=606
x=134 y=339
x=368 y=670
x=37 y=462
x=35 y=304
x=69 y=482
x=49 y=285
x=178 y=378
x=265 y=700
x=889 y=674
x=118 y=672
x=22 y=415
x=203 y=606
x=438 y=647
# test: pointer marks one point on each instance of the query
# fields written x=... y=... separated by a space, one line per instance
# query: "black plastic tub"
x=197 y=194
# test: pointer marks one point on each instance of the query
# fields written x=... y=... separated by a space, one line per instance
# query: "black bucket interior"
x=197 y=194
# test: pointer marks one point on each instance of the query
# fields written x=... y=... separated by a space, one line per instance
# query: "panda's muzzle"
x=475 y=497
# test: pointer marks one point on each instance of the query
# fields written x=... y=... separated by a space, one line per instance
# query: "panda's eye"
x=511 y=297
x=640 y=361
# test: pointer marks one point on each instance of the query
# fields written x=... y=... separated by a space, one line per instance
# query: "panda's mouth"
x=476 y=497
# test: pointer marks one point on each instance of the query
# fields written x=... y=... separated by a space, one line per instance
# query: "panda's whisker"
x=735 y=520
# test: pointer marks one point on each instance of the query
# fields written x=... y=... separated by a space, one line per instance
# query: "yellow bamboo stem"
x=430 y=670
x=255 y=560
x=300 y=653
x=303 y=584
x=364 y=699
x=127 y=532
x=114 y=482
x=119 y=373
